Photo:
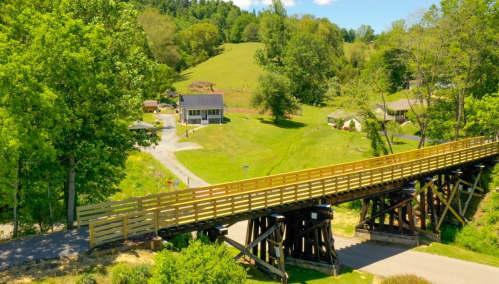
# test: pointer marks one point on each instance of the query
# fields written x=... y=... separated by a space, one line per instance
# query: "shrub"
x=180 y=242
x=351 y=125
x=198 y=263
x=140 y=274
x=405 y=279
x=121 y=274
x=86 y=278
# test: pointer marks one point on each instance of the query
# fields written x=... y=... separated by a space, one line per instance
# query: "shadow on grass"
x=286 y=124
x=181 y=77
x=398 y=143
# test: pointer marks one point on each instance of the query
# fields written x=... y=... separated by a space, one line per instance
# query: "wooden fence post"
x=125 y=227
x=92 y=234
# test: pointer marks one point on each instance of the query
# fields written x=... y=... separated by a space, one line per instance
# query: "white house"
x=347 y=117
x=397 y=110
x=201 y=109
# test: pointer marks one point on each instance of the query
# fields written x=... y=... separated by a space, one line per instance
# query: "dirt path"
x=164 y=152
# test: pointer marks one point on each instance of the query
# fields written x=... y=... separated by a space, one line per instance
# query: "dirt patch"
x=71 y=266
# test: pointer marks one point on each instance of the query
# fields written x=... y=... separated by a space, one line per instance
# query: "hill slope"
x=233 y=70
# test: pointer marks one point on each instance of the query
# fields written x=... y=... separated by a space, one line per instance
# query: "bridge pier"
x=388 y=218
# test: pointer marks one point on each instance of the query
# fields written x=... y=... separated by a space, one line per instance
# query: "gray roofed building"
x=201 y=109
x=201 y=101
x=140 y=125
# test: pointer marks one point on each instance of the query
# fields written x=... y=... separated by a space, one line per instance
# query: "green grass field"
x=144 y=175
x=302 y=143
x=233 y=70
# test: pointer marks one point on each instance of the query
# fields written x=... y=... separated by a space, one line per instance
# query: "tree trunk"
x=71 y=192
x=50 y=207
x=460 y=102
x=16 y=189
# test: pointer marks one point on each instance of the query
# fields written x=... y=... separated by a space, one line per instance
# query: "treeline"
x=73 y=75
x=185 y=33
x=450 y=54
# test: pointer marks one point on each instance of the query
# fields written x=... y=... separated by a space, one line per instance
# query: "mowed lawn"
x=234 y=73
x=253 y=140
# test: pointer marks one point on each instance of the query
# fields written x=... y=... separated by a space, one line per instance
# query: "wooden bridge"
x=267 y=200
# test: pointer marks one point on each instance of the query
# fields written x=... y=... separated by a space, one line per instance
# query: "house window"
x=213 y=112
x=194 y=112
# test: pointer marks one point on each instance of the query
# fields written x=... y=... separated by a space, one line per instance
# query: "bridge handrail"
x=87 y=213
x=254 y=199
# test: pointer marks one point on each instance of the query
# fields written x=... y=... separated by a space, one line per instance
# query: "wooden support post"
x=422 y=206
x=400 y=221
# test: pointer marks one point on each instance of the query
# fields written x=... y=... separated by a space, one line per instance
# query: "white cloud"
x=256 y=3
x=243 y=4
x=324 y=2
x=285 y=2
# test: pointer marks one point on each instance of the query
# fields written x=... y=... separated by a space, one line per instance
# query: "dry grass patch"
x=67 y=269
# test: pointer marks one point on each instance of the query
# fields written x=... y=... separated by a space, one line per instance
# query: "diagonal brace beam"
x=306 y=231
x=259 y=239
x=459 y=217
x=384 y=212
x=254 y=257
x=447 y=205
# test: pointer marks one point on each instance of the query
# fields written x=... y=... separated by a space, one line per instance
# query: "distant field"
x=233 y=70
x=304 y=142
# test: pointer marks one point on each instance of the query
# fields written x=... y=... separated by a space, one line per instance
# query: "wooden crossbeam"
x=459 y=217
x=306 y=231
x=259 y=239
x=430 y=183
x=447 y=205
x=472 y=191
x=263 y=263
x=470 y=184
x=384 y=212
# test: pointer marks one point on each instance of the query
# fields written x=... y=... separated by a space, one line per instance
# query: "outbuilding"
x=150 y=106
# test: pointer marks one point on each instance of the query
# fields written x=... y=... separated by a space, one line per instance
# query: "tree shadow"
x=286 y=124
x=181 y=77
x=399 y=143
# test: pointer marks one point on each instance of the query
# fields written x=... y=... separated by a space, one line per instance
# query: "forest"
x=74 y=75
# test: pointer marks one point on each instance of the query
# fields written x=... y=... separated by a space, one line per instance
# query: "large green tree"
x=307 y=63
x=274 y=94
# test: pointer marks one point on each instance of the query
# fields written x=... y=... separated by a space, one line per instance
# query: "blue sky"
x=348 y=13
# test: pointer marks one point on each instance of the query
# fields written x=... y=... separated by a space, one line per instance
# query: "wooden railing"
x=88 y=213
x=210 y=207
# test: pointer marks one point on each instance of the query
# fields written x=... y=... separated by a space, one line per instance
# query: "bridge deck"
x=190 y=207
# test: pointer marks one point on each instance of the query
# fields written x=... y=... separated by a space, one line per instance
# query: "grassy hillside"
x=233 y=70
x=251 y=139
x=144 y=175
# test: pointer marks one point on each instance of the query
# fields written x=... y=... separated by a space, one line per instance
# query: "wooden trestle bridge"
x=290 y=214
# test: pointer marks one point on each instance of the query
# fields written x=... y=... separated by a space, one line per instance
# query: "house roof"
x=201 y=101
x=342 y=114
x=151 y=103
x=140 y=125
x=403 y=104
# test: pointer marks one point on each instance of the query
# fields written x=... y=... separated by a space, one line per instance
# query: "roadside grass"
x=457 y=252
x=344 y=221
x=233 y=70
x=144 y=175
x=182 y=128
x=301 y=143
x=411 y=129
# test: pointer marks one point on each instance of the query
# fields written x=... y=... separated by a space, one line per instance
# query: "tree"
x=364 y=34
x=162 y=33
x=250 y=33
x=274 y=94
x=306 y=63
x=198 y=263
x=482 y=116
x=394 y=129
x=274 y=35
x=203 y=41
x=237 y=32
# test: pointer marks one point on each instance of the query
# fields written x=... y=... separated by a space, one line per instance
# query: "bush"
x=124 y=274
x=140 y=274
x=180 y=242
x=121 y=274
x=405 y=279
x=198 y=263
x=86 y=278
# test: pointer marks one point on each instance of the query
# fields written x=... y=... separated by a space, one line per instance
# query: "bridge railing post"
x=92 y=235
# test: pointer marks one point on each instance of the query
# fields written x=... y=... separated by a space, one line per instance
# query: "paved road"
x=164 y=152
x=43 y=247
x=386 y=261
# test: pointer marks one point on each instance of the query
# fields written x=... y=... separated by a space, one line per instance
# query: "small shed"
x=347 y=117
x=150 y=106
x=171 y=94
x=201 y=109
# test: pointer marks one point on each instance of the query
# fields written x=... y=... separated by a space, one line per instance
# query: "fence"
x=210 y=207
x=88 y=213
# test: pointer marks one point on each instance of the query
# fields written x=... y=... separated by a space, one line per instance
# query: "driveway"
x=164 y=152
